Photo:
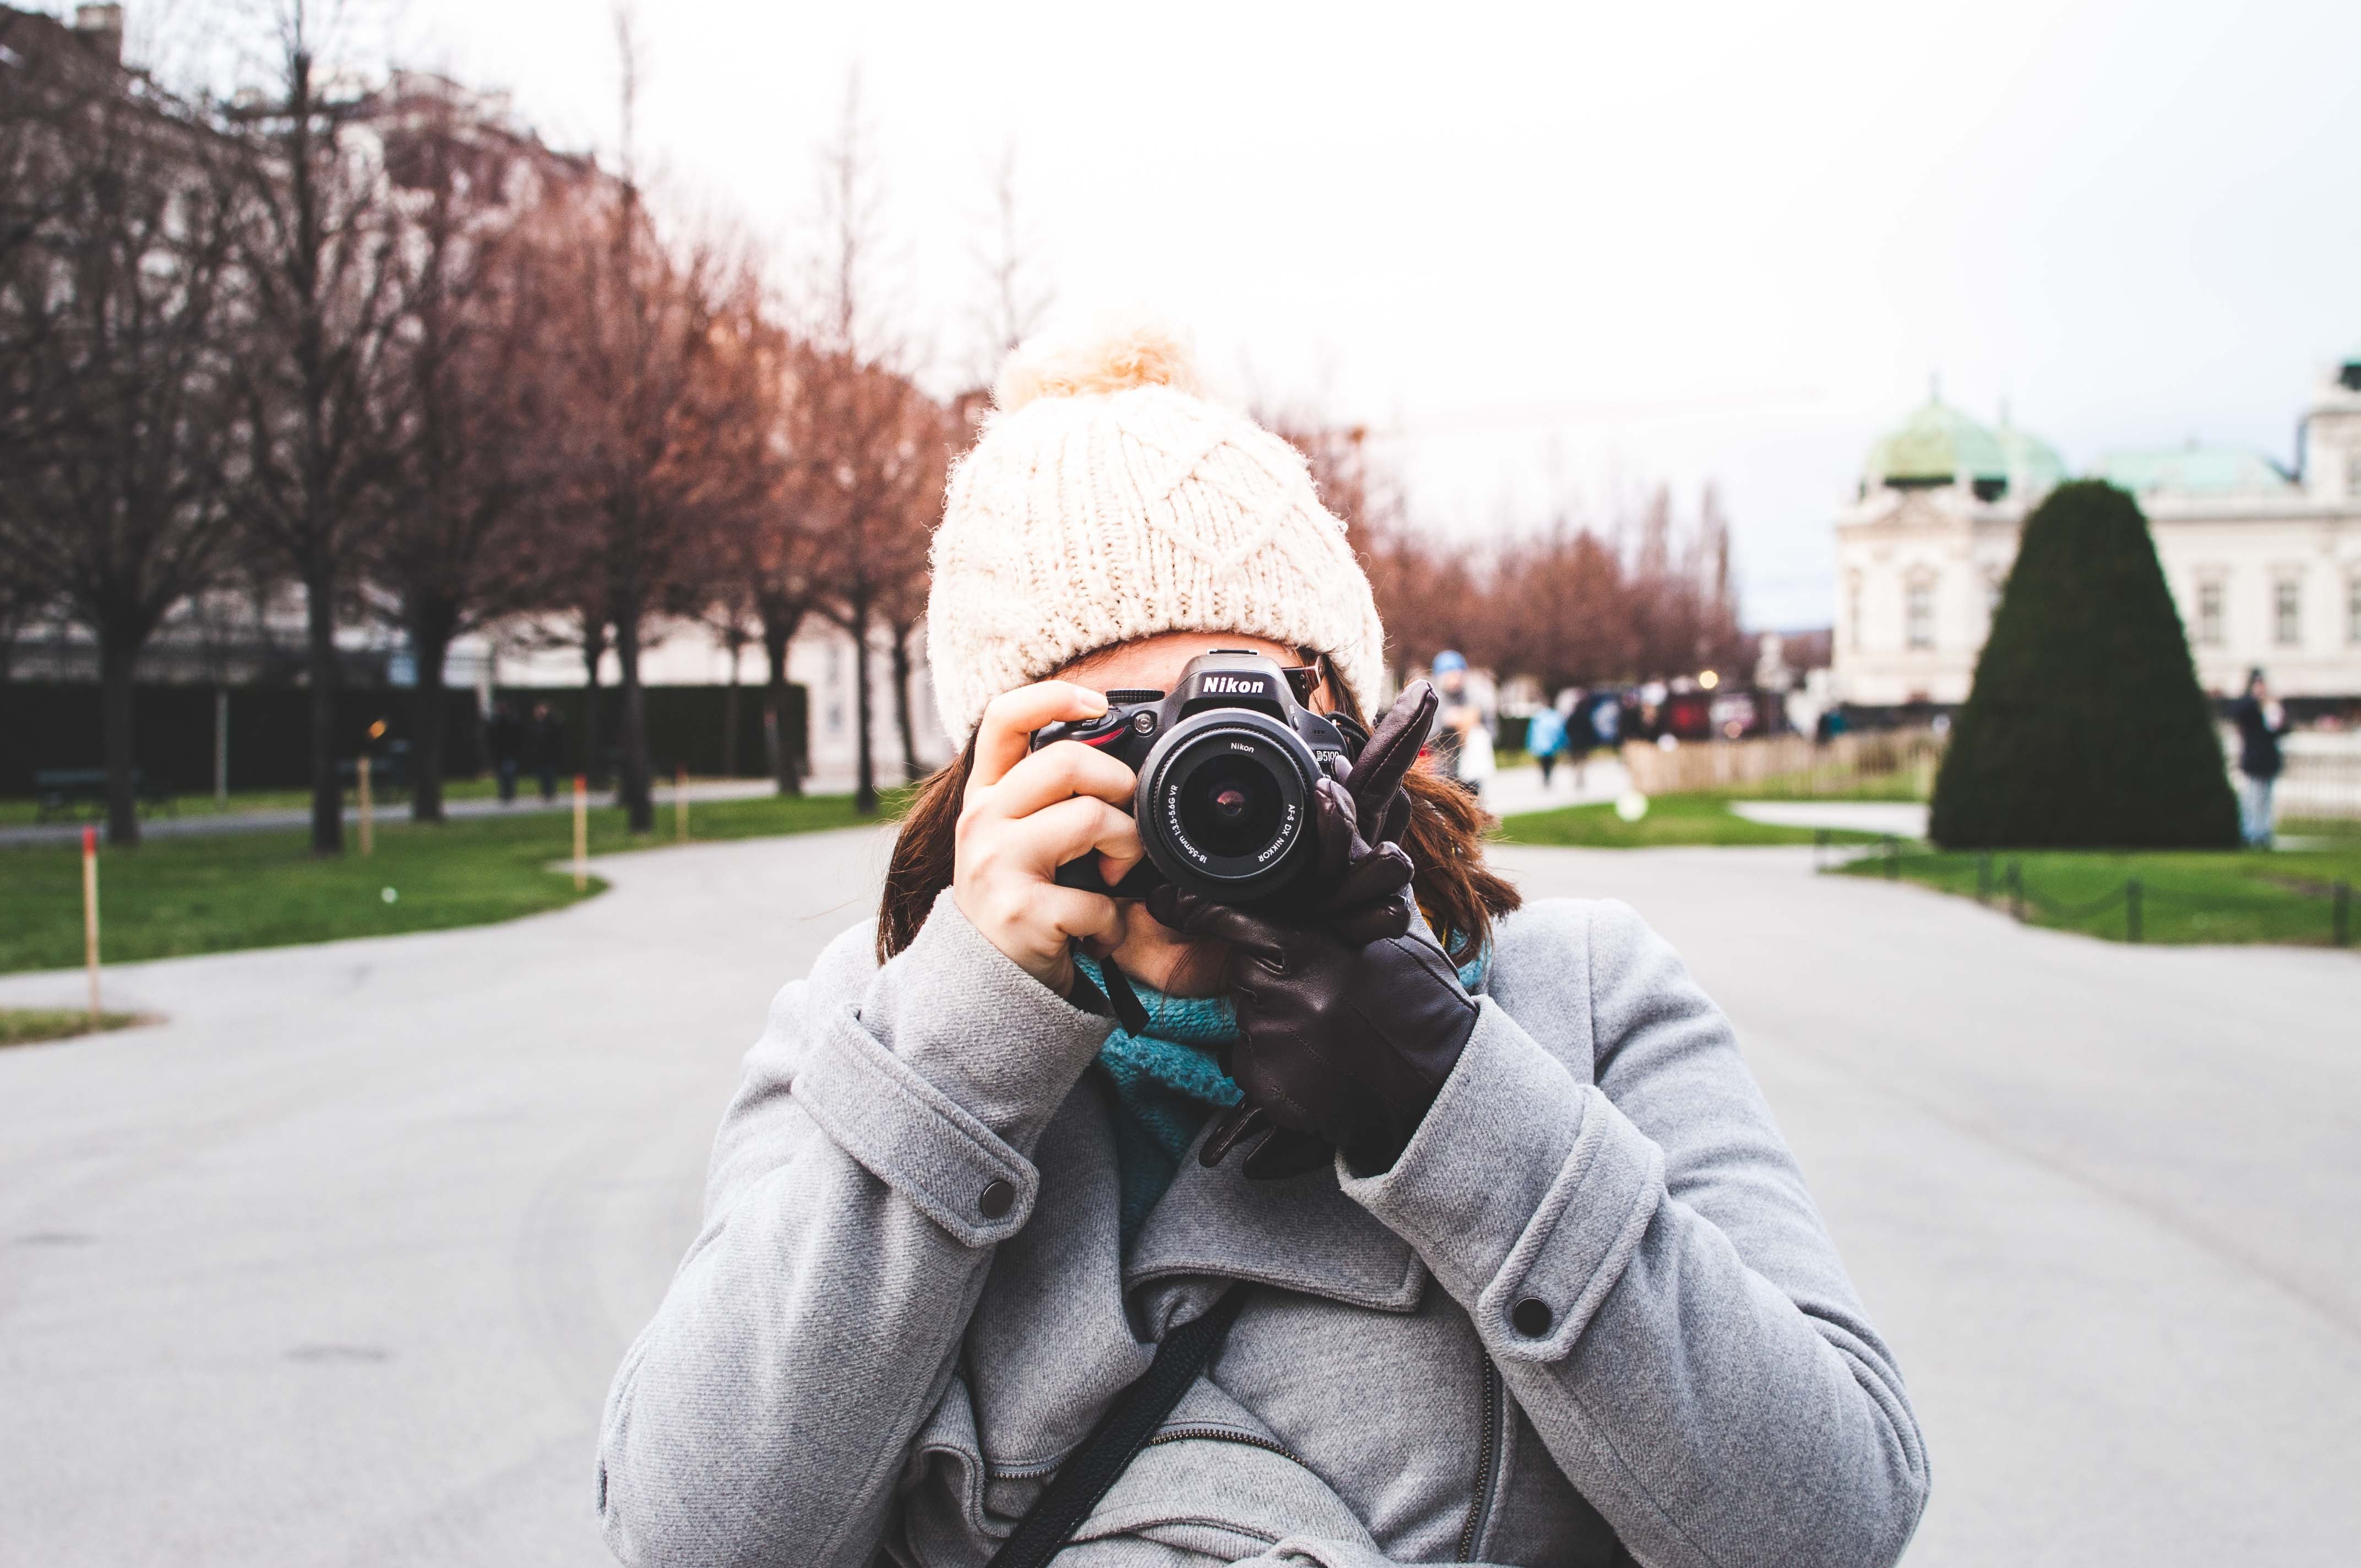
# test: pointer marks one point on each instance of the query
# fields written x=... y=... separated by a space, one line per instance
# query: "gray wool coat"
x=908 y=1304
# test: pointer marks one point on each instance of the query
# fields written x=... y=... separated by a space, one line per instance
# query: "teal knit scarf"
x=1167 y=1084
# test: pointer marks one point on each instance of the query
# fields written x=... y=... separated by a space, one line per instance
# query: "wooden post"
x=221 y=747
x=581 y=832
x=361 y=775
x=90 y=914
x=2132 y=891
x=680 y=802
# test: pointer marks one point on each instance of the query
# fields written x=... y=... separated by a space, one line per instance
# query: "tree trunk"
x=430 y=646
x=786 y=745
x=639 y=802
x=118 y=657
x=594 y=653
x=910 y=771
x=864 y=784
x=730 y=755
x=327 y=789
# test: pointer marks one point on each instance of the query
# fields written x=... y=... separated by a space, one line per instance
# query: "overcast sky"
x=1566 y=251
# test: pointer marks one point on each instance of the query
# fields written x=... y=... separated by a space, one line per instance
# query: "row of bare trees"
x=1630 y=598
x=373 y=344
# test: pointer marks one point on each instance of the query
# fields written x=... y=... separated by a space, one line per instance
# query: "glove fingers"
x=1377 y=875
x=1231 y=1125
x=1375 y=922
x=1397 y=819
x=1334 y=831
x=1285 y=1153
x=1194 y=916
x=1393 y=748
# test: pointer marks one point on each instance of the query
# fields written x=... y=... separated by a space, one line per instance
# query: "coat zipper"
x=1225 y=1434
x=1486 y=1449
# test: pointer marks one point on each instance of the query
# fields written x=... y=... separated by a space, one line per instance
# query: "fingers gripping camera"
x=1228 y=764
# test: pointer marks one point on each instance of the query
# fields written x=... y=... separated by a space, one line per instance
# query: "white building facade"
x=2265 y=565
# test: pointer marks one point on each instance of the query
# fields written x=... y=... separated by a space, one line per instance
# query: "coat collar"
x=1300 y=1234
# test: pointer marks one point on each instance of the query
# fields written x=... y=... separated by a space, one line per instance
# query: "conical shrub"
x=2085 y=728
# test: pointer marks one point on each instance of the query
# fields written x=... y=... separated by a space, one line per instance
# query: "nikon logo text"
x=1231 y=684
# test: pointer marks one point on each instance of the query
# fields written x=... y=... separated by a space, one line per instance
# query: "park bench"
x=65 y=792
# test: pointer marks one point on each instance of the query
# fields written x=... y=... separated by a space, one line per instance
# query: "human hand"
x=1340 y=1042
x=1027 y=813
x=1359 y=883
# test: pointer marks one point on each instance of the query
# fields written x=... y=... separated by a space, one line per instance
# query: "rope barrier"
x=2134 y=893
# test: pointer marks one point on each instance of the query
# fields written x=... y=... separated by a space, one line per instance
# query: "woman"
x=1515 y=1266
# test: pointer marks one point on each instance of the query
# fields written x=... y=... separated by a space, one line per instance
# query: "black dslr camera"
x=1227 y=765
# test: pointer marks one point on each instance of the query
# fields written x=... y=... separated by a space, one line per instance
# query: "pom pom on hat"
x=1107 y=501
x=1111 y=354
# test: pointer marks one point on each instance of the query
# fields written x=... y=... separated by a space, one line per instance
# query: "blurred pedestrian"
x=504 y=737
x=2261 y=721
x=1456 y=719
x=545 y=744
x=1546 y=739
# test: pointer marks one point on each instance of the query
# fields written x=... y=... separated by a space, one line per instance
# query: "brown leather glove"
x=1360 y=883
x=1340 y=1042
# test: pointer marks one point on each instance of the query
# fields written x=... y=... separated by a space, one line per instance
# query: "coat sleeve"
x=1643 y=1263
x=879 y=1147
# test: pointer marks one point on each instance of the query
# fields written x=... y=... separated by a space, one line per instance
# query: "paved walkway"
x=333 y=1267
x=1903 y=818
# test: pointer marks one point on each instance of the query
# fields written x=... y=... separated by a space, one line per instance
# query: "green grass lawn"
x=30 y=1025
x=1672 y=820
x=212 y=893
x=2219 y=896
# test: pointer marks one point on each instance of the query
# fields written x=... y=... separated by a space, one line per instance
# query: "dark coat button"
x=996 y=1200
x=1533 y=1317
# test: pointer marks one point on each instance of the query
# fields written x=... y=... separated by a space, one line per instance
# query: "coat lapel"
x=1300 y=1234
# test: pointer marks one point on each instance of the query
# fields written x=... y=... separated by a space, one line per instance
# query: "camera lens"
x=1230 y=805
x=1223 y=804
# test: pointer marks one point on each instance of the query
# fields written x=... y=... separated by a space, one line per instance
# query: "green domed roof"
x=1938 y=445
x=2195 y=470
x=2033 y=464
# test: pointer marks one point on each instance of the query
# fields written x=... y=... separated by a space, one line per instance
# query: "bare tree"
x=116 y=295
x=1017 y=292
x=655 y=417
x=867 y=455
x=470 y=387
x=317 y=248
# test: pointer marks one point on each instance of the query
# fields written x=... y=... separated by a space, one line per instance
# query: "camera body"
x=1228 y=762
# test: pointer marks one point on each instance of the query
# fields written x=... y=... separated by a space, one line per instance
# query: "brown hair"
x=1460 y=894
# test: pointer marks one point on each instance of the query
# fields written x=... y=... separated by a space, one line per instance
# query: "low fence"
x=2317 y=784
x=1784 y=766
x=2003 y=880
x=47 y=726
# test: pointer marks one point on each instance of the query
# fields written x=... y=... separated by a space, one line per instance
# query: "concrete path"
x=333 y=1268
x=1513 y=790
x=1903 y=818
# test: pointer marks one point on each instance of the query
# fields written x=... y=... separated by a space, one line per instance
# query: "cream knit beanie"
x=1109 y=500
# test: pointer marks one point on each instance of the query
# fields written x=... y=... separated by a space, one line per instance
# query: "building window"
x=2287 y=612
x=1919 y=614
x=1852 y=611
x=2353 y=475
x=2209 y=595
x=2353 y=610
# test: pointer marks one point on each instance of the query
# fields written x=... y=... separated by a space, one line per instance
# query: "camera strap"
x=1092 y=1469
x=1129 y=1011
